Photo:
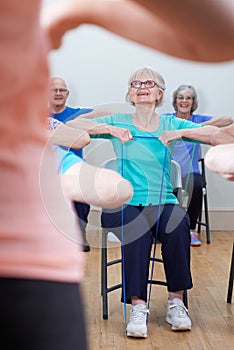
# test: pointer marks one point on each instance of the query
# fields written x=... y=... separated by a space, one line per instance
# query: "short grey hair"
x=185 y=88
x=152 y=74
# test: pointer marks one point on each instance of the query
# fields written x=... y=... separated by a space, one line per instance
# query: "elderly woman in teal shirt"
x=140 y=143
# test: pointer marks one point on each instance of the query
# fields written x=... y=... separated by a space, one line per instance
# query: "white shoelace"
x=138 y=315
x=180 y=311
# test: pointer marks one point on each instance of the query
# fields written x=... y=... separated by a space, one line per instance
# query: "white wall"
x=96 y=65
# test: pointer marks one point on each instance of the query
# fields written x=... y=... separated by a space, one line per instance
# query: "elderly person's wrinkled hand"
x=223 y=136
x=169 y=135
x=121 y=133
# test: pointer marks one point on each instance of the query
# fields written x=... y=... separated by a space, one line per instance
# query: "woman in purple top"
x=187 y=154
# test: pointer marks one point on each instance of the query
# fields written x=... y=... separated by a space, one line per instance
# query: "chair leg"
x=185 y=298
x=231 y=276
x=199 y=222
x=207 y=219
x=104 y=277
x=207 y=223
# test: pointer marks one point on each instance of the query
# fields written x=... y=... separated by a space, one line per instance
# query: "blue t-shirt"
x=144 y=160
x=187 y=154
x=69 y=114
x=65 y=159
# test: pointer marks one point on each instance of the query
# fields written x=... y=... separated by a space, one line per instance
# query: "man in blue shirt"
x=58 y=94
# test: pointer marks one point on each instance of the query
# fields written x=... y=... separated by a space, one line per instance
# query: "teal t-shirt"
x=145 y=161
x=65 y=158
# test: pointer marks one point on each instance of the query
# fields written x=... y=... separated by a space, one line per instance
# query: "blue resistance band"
x=157 y=225
x=122 y=240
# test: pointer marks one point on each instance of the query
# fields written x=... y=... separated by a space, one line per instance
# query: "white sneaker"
x=136 y=326
x=177 y=316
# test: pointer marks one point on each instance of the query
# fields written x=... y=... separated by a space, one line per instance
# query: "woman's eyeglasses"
x=149 y=84
x=180 y=97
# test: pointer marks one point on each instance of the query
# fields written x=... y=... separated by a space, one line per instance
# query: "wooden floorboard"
x=212 y=317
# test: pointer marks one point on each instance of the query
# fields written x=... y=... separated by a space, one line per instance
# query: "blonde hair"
x=152 y=74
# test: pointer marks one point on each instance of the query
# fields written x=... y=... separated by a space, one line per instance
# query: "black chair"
x=205 y=223
x=176 y=180
x=231 y=276
x=105 y=289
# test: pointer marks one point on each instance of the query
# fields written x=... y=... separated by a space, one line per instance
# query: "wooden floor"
x=212 y=318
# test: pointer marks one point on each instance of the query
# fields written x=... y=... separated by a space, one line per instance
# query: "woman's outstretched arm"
x=201 y=30
x=106 y=188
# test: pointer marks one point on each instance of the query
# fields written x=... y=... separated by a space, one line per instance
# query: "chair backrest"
x=176 y=181
x=175 y=175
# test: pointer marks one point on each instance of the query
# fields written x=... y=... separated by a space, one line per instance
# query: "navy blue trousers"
x=194 y=183
x=141 y=224
x=82 y=210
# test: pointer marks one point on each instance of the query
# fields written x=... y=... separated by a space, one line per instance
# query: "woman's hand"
x=223 y=136
x=170 y=135
x=121 y=133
